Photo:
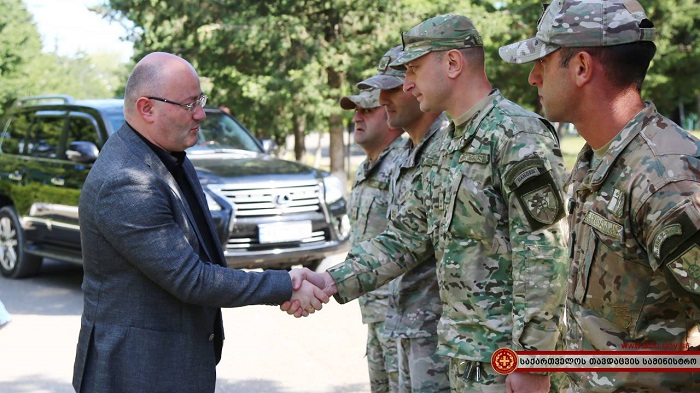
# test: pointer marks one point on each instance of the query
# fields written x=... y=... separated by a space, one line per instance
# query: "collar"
x=172 y=161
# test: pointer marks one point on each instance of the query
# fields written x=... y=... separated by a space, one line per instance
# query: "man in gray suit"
x=155 y=274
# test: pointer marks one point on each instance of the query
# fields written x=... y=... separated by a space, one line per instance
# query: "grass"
x=570 y=147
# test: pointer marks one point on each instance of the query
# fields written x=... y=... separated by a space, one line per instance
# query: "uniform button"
x=211 y=337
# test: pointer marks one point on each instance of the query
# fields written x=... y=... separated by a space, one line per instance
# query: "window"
x=45 y=136
x=82 y=128
x=13 y=140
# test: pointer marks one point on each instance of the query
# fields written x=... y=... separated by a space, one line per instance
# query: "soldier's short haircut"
x=625 y=65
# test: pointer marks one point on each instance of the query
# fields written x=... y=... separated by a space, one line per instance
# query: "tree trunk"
x=299 y=140
x=335 y=125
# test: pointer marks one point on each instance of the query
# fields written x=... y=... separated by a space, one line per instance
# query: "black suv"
x=268 y=212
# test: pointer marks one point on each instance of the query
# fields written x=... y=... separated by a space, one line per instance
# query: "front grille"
x=255 y=205
x=248 y=243
x=264 y=202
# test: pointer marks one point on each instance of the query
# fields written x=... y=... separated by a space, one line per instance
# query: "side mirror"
x=269 y=146
x=82 y=152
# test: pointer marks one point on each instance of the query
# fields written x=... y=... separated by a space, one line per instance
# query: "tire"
x=14 y=260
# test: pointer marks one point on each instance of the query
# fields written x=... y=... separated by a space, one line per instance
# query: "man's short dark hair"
x=624 y=64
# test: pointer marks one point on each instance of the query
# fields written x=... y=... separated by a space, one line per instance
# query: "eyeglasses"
x=201 y=101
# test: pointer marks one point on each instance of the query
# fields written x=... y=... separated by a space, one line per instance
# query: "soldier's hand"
x=527 y=383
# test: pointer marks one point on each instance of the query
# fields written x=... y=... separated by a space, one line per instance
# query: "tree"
x=281 y=66
x=673 y=76
x=19 y=45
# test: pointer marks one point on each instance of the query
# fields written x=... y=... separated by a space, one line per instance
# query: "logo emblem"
x=282 y=200
x=504 y=361
x=542 y=204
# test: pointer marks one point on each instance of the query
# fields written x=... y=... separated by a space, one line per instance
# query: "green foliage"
x=25 y=70
x=82 y=76
x=282 y=65
x=19 y=44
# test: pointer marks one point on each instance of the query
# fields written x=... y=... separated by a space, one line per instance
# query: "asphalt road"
x=264 y=351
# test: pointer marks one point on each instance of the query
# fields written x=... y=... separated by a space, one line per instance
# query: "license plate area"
x=282 y=232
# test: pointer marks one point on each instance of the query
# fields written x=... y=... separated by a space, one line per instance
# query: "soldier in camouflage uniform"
x=414 y=304
x=635 y=190
x=368 y=203
x=494 y=216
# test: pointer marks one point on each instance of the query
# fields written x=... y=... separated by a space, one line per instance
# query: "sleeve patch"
x=542 y=205
x=671 y=230
x=538 y=194
x=686 y=269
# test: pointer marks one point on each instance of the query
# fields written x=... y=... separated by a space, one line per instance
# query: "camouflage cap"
x=387 y=78
x=367 y=99
x=582 y=23
x=439 y=33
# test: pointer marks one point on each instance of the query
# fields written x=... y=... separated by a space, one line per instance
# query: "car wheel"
x=14 y=261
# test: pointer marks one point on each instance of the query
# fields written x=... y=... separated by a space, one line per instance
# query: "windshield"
x=217 y=132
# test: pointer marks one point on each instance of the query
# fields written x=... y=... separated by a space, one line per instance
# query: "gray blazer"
x=151 y=319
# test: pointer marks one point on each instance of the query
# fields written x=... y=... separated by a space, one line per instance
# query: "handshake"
x=311 y=291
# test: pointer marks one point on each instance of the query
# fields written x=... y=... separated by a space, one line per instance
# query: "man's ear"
x=454 y=62
x=144 y=108
x=583 y=68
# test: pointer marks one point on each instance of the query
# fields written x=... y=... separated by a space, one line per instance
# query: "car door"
x=67 y=178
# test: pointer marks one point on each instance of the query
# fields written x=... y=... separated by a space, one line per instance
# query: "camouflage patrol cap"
x=443 y=32
x=387 y=78
x=367 y=99
x=582 y=23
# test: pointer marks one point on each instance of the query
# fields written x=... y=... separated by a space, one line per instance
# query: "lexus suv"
x=269 y=213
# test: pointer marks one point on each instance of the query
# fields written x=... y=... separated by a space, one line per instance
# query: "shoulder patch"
x=665 y=233
x=542 y=204
x=686 y=269
x=540 y=196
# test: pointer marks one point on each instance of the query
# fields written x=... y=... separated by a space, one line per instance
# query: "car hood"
x=231 y=167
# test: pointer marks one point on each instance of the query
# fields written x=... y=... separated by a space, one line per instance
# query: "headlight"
x=211 y=203
x=334 y=189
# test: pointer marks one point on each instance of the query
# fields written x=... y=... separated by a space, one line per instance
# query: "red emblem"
x=504 y=361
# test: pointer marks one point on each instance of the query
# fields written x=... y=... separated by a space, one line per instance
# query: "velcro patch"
x=478 y=158
x=687 y=269
x=526 y=175
x=671 y=230
x=604 y=225
x=617 y=203
x=542 y=204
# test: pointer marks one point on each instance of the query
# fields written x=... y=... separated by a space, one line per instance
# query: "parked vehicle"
x=268 y=212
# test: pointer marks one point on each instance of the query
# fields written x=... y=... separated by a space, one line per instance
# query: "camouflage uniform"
x=635 y=216
x=636 y=250
x=414 y=305
x=494 y=217
x=369 y=200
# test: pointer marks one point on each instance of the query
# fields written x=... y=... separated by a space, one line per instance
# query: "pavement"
x=264 y=351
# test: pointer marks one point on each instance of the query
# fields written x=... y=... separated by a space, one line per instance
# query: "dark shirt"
x=173 y=162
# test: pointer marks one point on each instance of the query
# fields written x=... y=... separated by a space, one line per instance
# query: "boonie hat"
x=439 y=33
x=387 y=78
x=367 y=99
x=582 y=23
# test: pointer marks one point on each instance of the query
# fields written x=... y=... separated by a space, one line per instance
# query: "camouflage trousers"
x=489 y=380
x=381 y=360
x=420 y=369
